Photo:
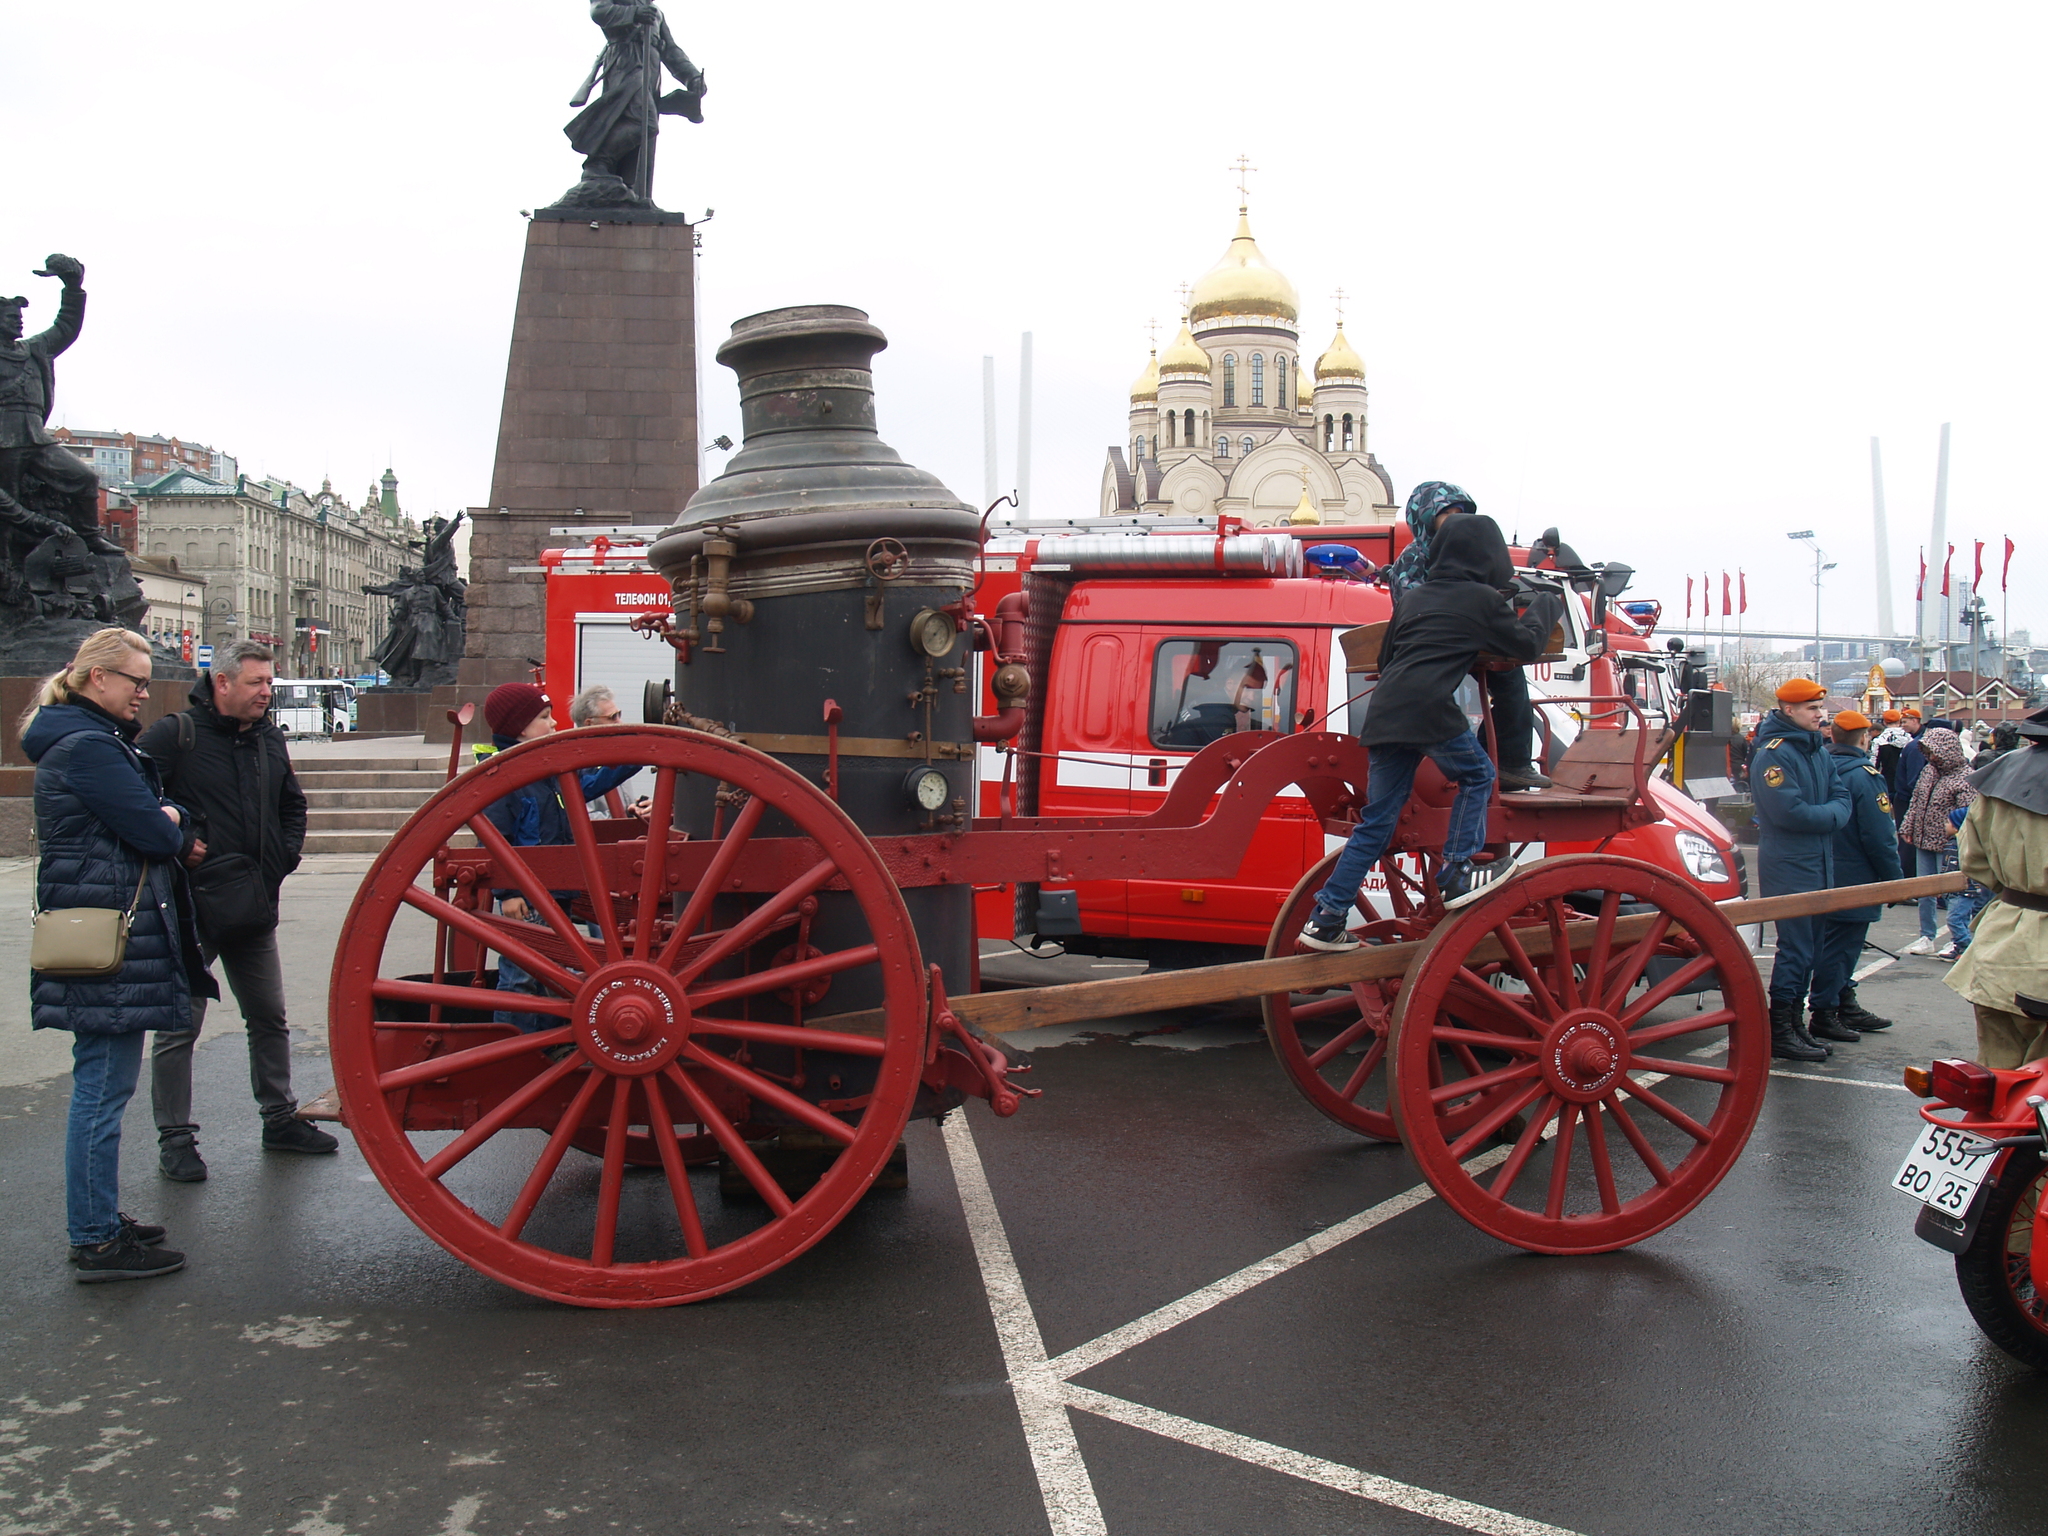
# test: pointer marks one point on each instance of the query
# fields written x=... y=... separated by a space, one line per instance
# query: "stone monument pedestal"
x=599 y=424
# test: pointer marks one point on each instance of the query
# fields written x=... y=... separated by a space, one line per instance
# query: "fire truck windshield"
x=1204 y=689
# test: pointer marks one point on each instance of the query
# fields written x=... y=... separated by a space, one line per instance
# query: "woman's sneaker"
x=124 y=1259
x=1464 y=882
x=1949 y=951
x=1920 y=946
x=143 y=1232
x=1327 y=934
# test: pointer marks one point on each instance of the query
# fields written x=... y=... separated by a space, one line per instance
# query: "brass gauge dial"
x=932 y=633
x=927 y=787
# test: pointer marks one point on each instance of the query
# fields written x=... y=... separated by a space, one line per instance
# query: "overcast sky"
x=1655 y=274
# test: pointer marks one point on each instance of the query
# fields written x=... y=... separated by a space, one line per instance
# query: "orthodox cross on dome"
x=1244 y=168
x=1187 y=298
x=1338 y=299
x=1152 y=331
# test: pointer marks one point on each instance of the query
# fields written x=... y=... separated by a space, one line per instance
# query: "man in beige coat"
x=2004 y=845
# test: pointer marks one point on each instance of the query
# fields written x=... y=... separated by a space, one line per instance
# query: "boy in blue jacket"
x=1866 y=851
x=533 y=817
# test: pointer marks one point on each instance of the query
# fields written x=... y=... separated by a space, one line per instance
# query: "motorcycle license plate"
x=1944 y=1167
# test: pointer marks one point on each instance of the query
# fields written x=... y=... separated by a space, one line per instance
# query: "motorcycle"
x=1980 y=1177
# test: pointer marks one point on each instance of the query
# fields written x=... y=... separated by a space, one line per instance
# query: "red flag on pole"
x=1688 y=595
x=1727 y=596
x=2006 y=574
x=1920 y=588
x=1742 y=586
x=1946 y=561
x=1977 y=580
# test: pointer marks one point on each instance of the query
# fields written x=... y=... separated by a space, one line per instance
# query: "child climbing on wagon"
x=1463 y=608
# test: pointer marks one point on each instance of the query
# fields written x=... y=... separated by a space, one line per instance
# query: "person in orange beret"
x=1801 y=803
x=1866 y=850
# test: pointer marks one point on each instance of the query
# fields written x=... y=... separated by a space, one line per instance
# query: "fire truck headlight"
x=1703 y=860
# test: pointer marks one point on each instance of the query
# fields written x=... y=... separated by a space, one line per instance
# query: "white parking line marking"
x=1853 y=1082
x=1085 y=1357
x=1875 y=966
x=1311 y=1469
x=1063 y=1481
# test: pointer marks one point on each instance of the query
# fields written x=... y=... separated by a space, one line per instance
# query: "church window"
x=1280 y=382
x=1246 y=445
x=1187 y=436
x=1329 y=433
x=1137 y=449
x=1229 y=380
x=1223 y=446
x=1349 y=442
x=1258 y=378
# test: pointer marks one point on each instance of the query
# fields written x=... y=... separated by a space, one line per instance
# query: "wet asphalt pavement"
x=1786 y=1359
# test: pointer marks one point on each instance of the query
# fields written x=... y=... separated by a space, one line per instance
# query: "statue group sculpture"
x=55 y=563
x=616 y=133
x=428 y=614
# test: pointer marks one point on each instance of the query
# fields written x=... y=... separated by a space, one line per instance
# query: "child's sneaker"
x=1327 y=934
x=1949 y=951
x=1464 y=882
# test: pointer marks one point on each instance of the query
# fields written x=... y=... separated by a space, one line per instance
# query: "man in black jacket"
x=226 y=762
x=1438 y=632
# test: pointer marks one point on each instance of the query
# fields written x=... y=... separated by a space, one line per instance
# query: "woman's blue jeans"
x=1463 y=761
x=1961 y=906
x=103 y=1073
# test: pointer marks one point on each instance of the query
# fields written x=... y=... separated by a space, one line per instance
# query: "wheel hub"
x=1584 y=1054
x=631 y=1018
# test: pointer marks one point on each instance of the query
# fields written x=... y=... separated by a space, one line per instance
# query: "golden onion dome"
x=1244 y=283
x=1339 y=360
x=1185 y=355
x=1146 y=385
x=1305 y=514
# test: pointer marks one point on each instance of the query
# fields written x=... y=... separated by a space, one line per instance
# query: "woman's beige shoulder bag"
x=82 y=941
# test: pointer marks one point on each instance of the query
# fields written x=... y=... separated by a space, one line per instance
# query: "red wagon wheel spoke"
x=470 y=1059
x=481 y=999
x=661 y=813
x=570 y=787
x=730 y=847
x=1603 y=944
x=663 y=1130
x=507 y=1108
x=1635 y=962
x=1371 y=1021
x=775 y=978
x=769 y=1093
x=550 y=1158
x=516 y=871
x=604 y=1238
x=760 y=920
x=1654 y=1034
x=803 y=1038
x=1368 y=1063
x=1584 y=1053
x=1603 y=1169
x=1340 y=1002
x=655 y=1078
x=734 y=1144
x=492 y=935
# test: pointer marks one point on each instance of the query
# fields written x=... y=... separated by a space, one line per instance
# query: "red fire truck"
x=1158 y=651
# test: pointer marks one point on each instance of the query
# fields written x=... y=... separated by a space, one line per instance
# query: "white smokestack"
x=1937 y=549
x=988 y=431
x=1024 y=432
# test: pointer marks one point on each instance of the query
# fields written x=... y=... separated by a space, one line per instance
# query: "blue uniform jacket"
x=1867 y=849
x=99 y=822
x=534 y=817
x=1801 y=803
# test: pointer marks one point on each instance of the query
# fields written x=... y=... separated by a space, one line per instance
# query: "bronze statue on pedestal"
x=616 y=133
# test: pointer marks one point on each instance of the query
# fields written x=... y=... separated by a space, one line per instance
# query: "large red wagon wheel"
x=650 y=1028
x=1642 y=1119
x=1333 y=1044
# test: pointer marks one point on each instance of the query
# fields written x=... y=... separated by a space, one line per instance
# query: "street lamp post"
x=1820 y=563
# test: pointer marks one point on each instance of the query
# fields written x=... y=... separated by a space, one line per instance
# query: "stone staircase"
x=356 y=804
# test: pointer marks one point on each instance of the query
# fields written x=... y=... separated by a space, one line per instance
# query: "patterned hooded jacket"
x=1425 y=502
x=1942 y=788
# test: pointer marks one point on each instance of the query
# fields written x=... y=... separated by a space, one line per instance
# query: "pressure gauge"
x=932 y=633
x=927 y=788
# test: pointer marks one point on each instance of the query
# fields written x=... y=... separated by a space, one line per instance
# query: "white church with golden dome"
x=1227 y=421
